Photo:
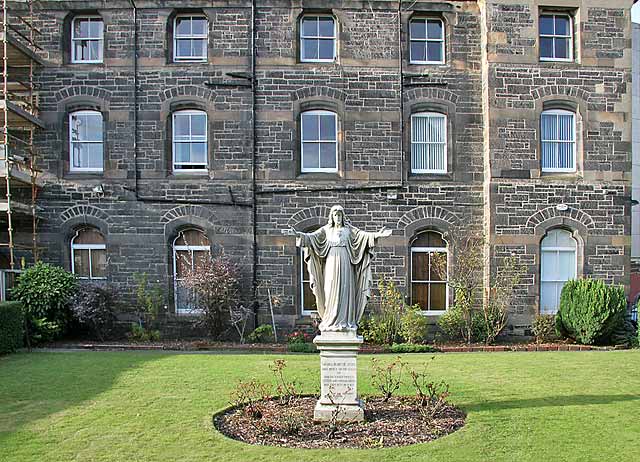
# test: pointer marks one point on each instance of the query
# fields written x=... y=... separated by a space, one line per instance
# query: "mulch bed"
x=396 y=422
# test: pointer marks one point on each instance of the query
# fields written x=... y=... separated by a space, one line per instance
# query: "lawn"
x=547 y=406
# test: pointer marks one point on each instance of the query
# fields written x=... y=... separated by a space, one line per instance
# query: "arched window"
x=428 y=288
x=89 y=254
x=426 y=37
x=86 y=141
x=87 y=39
x=317 y=38
x=307 y=299
x=428 y=142
x=190 y=38
x=190 y=249
x=558 y=140
x=319 y=141
x=189 y=141
x=558 y=265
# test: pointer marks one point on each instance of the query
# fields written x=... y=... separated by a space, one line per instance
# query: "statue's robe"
x=339 y=264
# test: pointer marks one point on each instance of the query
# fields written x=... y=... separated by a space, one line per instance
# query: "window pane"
x=199 y=26
x=436 y=129
x=325 y=27
x=308 y=299
x=94 y=158
x=546 y=25
x=310 y=127
x=546 y=47
x=88 y=236
x=183 y=263
x=199 y=153
x=327 y=127
x=419 y=128
x=98 y=263
x=198 y=48
x=434 y=29
x=199 y=125
x=310 y=27
x=418 y=51
x=420 y=266
x=192 y=237
x=183 y=26
x=200 y=258
x=564 y=238
x=433 y=274
x=310 y=49
x=418 y=29
x=562 y=25
x=420 y=295
x=326 y=49
x=95 y=50
x=549 y=127
x=310 y=155
x=434 y=51
x=81 y=262
x=93 y=127
x=548 y=301
x=183 y=48
x=95 y=28
x=182 y=152
x=81 y=28
x=81 y=50
x=567 y=265
x=549 y=266
x=328 y=155
x=561 y=48
x=180 y=126
x=438 y=296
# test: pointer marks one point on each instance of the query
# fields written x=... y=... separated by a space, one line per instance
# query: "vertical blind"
x=428 y=143
x=558 y=140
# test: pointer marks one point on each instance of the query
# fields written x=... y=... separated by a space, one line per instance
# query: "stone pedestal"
x=338 y=377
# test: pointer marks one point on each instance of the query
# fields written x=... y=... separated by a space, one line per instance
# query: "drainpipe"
x=254 y=211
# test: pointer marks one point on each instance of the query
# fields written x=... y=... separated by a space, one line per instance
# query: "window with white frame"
x=89 y=254
x=319 y=131
x=428 y=288
x=556 y=37
x=189 y=141
x=317 y=39
x=558 y=140
x=426 y=38
x=307 y=299
x=557 y=265
x=190 y=38
x=191 y=249
x=86 y=141
x=428 y=143
x=87 y=39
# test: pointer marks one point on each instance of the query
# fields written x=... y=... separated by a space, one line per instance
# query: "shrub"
x=149 y=300
x=11 y=327
x=413 y=325
x=249 y=396
x=93 y=306
x=261 y=334
x=590 y=310
x=387 y=378
x=412 y=348
x=456 y=327
x=384 y=324
x=302 y=348
x=625 y=333
x=140 y=334
x=297 y=337
x=44 y=291
x=544 y=328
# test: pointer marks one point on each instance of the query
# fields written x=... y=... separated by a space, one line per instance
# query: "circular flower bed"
x=398 y=421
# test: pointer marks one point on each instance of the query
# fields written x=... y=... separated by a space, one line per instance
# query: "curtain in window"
x=428 y=143
x=558 y=140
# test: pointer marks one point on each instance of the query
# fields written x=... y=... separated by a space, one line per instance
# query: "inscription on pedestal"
x=339 y=380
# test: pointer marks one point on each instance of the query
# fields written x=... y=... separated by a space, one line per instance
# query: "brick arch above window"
x=318 y=91
x=86 y=214
x=81 y=92
x=554 y=91
x=199 y=93
x=547 y=218
x=428 y=217
x=188 y=211
x=431 y=94
x=309 y=217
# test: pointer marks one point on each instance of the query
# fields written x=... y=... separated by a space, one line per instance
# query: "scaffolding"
x=19 y=120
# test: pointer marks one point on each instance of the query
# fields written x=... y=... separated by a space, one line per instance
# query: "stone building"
x=175 y=126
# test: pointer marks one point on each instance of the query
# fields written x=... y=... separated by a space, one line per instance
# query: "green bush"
x=412 y=348
x=544 y=328
x=590 y=310
x=302 y=348
x=140 y=334
x=44 y=291
x=384 y=324
x=625 y=333
x=11 y=327
x=454 y=326
x=413 y=325
x=261 y=334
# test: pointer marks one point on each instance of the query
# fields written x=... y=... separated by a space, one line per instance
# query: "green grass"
x=556 y=406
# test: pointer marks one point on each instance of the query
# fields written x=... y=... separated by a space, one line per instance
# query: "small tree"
x=149 y=300
x=386 y=320
x=214 y=290
x=495 y=309
x=93 y=306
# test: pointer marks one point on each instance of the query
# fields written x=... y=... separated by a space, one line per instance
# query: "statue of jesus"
x=338 y=257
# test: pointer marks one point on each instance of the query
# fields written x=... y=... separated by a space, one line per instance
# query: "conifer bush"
x=590 y=310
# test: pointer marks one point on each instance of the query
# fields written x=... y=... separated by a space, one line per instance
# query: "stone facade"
x=492 y=88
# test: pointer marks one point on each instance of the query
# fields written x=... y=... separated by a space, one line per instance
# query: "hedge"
x=11 y=327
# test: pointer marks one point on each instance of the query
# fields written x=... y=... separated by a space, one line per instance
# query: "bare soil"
x=397 y=422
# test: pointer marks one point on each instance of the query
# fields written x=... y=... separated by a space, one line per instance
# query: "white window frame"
x=176 y=37
x=184 y=248
x=319 y=142
x=205 y=140
x=72 y=168
x=574 y=142
x=90 y=248
x=302 y=282
x=556 y=36
x=430 y=250
x=427 y=40
x=303 y=37
x=444 y=143
x=556 y=250
x=74 y=58
x=3 y=282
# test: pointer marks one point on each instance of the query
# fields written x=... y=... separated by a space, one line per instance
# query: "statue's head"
x=336 y=216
